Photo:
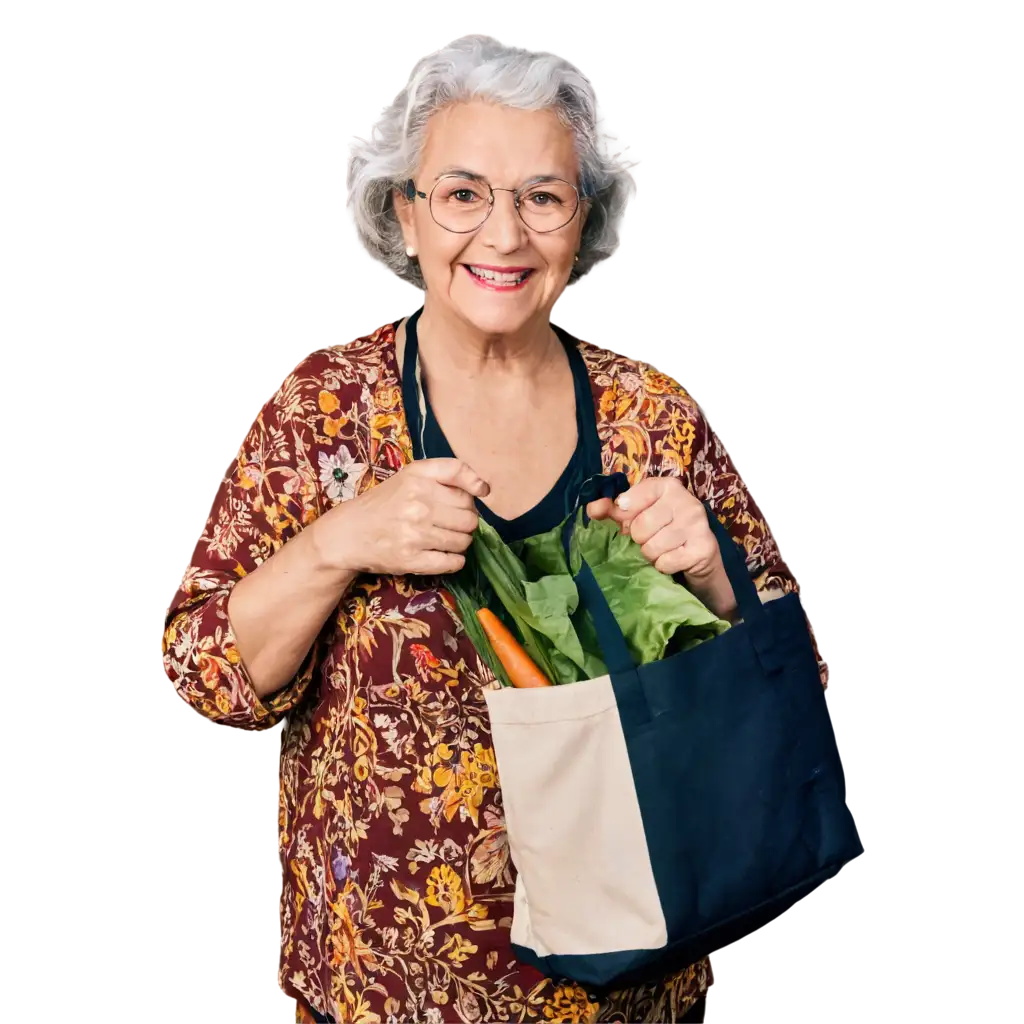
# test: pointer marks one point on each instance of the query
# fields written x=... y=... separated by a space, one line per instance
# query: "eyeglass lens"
x=461 y=204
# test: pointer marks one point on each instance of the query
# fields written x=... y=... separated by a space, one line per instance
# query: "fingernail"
x=622 y=501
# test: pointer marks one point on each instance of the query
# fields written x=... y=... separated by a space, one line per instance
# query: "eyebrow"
x=461 y=171
x=464 y=173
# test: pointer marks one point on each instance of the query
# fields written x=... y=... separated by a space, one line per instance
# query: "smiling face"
x=507 y=148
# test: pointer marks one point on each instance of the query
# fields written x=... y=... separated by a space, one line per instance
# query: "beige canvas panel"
x=575 y=833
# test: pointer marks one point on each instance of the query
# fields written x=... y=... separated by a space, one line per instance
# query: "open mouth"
x=499 y=280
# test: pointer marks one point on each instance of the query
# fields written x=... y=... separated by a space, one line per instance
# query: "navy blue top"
x=428 y=441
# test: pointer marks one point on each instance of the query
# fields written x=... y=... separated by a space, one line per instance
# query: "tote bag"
x=665 y=810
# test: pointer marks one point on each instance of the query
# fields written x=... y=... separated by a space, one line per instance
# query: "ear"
x=405 y=210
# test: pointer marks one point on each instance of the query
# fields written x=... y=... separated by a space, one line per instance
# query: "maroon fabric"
x=397 y=885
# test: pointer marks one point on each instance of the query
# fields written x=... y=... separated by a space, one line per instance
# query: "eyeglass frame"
x=411 y=192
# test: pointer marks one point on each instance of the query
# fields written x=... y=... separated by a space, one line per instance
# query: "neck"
x=450 y=343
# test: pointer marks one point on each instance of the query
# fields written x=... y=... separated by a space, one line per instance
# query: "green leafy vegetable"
x=650 y=606
x=553 y=600
x=469 y=597
x=530 y=585
x=506 y=574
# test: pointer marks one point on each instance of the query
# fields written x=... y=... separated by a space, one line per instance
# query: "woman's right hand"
x=418 y=522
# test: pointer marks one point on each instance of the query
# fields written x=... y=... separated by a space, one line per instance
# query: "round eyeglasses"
x=461 y=204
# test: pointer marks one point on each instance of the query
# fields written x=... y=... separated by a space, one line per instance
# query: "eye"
x=459 y=192
x=543 y=199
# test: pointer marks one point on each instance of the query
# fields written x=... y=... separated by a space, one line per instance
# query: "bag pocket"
x=585 y=883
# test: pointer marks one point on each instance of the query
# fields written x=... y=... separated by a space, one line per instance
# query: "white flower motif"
x=630 y=382
x=340 y=474
x=424 y=851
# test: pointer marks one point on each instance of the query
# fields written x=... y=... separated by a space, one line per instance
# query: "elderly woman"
x=316 y=592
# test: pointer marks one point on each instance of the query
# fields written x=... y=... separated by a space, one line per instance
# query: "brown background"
x=171 y=243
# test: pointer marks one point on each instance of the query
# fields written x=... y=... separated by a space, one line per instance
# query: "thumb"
x=601 y=509
x=456 y=473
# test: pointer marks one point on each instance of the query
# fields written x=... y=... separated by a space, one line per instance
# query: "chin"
x=495 y=314
x=494 y=321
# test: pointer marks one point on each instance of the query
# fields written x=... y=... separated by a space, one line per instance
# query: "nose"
x=504 y=229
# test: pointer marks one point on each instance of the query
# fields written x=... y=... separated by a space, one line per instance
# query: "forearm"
x=277 y=610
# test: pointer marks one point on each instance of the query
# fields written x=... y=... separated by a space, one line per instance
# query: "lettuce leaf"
x=651 y=607
x=537 y=595
x=553 y=599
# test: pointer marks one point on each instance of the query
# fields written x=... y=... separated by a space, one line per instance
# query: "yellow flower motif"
x=444 y=890
x=569 y=1005
x=476 y=912
x=458 y=949
x=422 y=783
x=278 y=520
x=329 y=404
x=676 y=447
x=656 y=383
x=466 y=783
x=623 y=406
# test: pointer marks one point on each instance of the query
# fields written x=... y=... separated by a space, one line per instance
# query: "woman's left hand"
x=670 y=525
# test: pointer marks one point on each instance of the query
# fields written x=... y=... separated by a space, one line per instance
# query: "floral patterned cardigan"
x=397 y=883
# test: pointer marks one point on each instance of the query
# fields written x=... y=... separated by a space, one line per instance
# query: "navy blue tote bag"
x=666 y=810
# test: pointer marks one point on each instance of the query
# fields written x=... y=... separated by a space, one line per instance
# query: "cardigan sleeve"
x=689 y=448
x=268 y=494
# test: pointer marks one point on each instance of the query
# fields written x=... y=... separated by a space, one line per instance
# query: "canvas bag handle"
x=613 y=644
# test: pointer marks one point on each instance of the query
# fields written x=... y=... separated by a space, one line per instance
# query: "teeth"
x=491 y=275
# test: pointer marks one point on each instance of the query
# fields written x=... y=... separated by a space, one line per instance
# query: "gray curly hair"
x=477 y=66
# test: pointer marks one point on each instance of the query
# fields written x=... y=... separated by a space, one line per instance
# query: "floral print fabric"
x=397 y=884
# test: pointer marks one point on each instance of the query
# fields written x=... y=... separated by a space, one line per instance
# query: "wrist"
x=715 y=591
x=333 y=551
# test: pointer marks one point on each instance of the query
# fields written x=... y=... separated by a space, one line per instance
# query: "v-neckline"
x=426 y=436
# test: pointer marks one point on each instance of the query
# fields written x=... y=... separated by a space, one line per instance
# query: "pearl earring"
x=576 y=258
x=410 y=251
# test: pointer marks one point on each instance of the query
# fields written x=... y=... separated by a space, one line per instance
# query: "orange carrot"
x=521 y=669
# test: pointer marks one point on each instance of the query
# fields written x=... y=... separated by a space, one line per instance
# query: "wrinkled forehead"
x=501 y=145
